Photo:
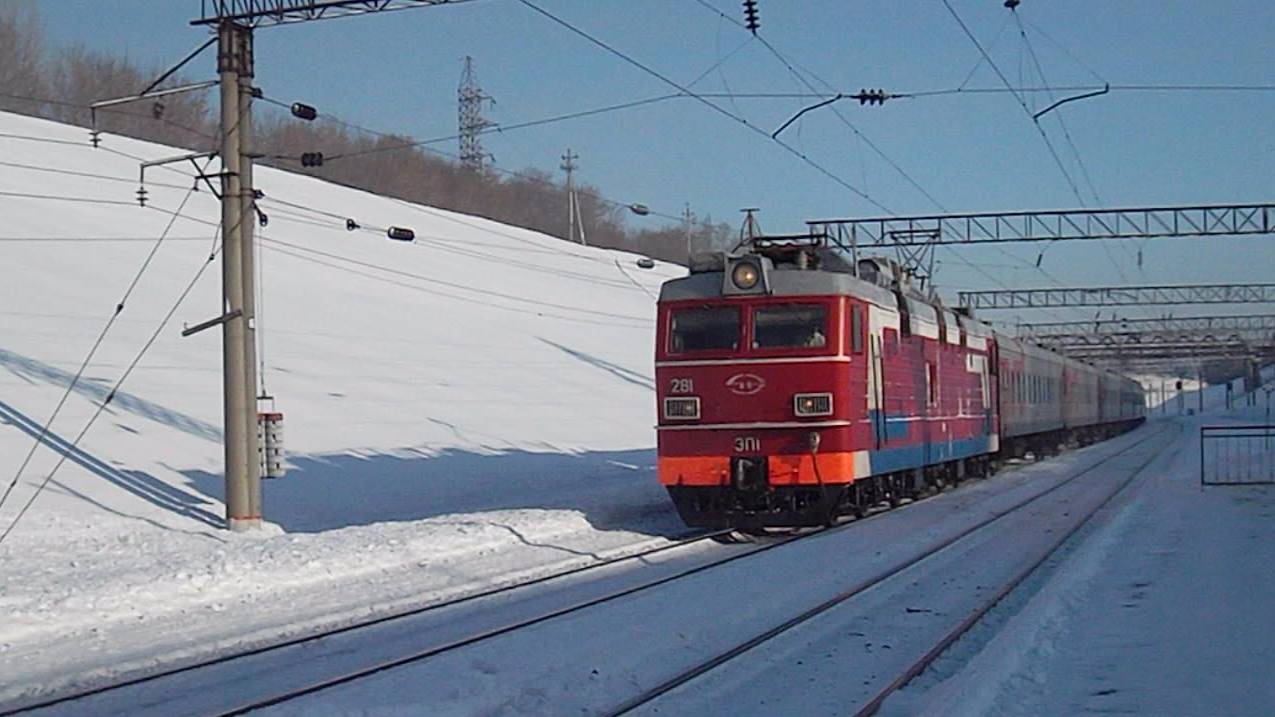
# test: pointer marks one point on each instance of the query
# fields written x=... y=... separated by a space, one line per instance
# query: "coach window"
x=790 y=326
x=704 y=328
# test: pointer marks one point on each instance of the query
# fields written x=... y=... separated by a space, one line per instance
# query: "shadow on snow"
x=613 y=490
x=139 y=483
x=30 y=370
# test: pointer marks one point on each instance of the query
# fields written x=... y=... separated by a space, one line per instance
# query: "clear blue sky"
x=398 y=72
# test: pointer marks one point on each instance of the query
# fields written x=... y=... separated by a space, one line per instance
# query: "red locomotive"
x=795 y=385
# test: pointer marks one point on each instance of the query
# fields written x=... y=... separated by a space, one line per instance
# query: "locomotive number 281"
x=681 y=385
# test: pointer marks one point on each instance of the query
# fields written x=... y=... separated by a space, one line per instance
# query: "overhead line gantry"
x=1118 y=296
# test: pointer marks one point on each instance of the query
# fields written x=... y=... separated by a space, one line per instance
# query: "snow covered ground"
x=471 y=408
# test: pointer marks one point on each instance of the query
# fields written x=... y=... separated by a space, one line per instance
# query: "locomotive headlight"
x=812 y=404
x=681 y=408
x=745 y=275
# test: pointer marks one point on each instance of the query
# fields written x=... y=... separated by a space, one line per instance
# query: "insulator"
x=351 y=225
x=141 y=196
x=750 y=16
x=303 y=111
x=262 y=219
x=400 y=234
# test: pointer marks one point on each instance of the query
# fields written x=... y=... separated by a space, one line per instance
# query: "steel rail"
x=521 y=624
x=363 y=624
x=728 y=655
x=920 y=665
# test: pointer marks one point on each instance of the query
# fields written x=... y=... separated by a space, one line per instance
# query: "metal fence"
x=1237 y=455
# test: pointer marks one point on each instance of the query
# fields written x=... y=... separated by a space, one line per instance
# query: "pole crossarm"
x=1118 y=296
x=264 y=13
x=1064 y=225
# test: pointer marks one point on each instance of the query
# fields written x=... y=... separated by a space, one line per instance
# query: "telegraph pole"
x=247 y=227
x=687 y=217
x=568 y=166
x=243 y=494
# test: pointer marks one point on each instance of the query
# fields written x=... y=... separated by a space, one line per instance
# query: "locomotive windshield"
x=790 y=326
x=704 y=328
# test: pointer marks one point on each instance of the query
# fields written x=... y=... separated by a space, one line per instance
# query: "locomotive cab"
x=756 y=402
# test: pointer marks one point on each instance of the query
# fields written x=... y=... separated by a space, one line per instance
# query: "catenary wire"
x=119 y=308
x=715 y=107
x=109 y=397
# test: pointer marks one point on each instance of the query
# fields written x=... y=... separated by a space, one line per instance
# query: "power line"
x=1080 y=162
x=119 y=309
x=793 y=71
x=717 y=108
x=424 y=144
x=634 y=321
x=844 y=120
x=101 y=407
x=1005 y=80
x=67 y=198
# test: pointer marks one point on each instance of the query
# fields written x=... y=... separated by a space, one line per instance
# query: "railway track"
x=200 y=688
x=73 y=700
x=921 y=664
x=688 y=678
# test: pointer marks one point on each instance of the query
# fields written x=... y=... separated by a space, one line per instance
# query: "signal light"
x=304 y=111
x=311 y=159
x=745 y=275
x=401 y=234
x=750 y=16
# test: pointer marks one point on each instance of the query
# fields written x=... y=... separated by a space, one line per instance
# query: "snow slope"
x=458 y=411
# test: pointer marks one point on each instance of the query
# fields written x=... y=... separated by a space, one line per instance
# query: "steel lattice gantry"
x=1258 y=322
x=261 y=13
x=1071 y=224
x=1257 y=330
x=1167 y=352
x=1119 y=296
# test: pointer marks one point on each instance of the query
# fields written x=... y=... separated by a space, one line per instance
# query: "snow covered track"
x=925 y=661
x=593 y=658
x=683 y=694
x=169 y=692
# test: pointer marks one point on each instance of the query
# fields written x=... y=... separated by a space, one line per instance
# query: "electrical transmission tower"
x=472 y=122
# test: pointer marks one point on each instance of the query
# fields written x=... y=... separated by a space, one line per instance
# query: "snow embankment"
x=471 y=406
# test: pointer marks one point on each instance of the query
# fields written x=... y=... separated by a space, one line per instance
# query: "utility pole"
x=472 y=123
x=688 y=218
x=573 y=207
x=243 y=493
x=247 y=227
